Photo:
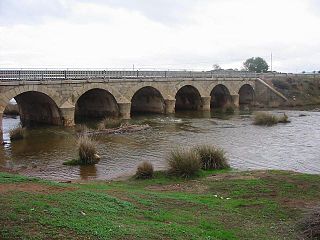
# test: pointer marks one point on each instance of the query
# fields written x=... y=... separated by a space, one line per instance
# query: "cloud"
x=30 y=11
x=158 y=33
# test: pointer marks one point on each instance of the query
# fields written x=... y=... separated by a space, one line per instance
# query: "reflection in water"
x=292 y=146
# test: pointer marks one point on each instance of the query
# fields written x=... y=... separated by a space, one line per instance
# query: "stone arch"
x=12 y=93
x=159 y=87
x=96 y=103
x=116 y=94
x=188 y=98
x=246 y=95
x=38 y=108
x=147 y=100
x=220 y=96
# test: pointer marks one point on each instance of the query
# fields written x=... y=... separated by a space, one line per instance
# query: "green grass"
x=220 y=204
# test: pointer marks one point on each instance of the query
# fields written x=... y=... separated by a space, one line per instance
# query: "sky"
x=159 y=34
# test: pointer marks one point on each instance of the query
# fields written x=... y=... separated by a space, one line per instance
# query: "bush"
x=310 y=225
x=109 y=123
x=183 y=163
x=17 y=133
x=144 y=170
x=212 y=158
x=87 y=151
x=266 y=119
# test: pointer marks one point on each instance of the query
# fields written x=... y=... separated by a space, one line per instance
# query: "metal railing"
x=82 y=74
x=69 y=74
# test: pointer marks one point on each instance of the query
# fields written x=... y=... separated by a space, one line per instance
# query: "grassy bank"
x=218 y=205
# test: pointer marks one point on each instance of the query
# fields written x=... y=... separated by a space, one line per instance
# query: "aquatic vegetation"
x=268 y=119
x=87 y=151
x=144 y=170
x=183 y=163
x=211 y=157
x=109 y=123
x=17 y=133
x=81 y=129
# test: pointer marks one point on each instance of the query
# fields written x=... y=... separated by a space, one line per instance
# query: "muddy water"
x=293 y=146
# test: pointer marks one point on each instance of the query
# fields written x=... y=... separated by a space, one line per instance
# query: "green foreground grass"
x=217 y=205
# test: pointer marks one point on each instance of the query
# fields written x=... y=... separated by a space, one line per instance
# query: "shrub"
x=109 y=123
x=309 y=226
x=144 y=170
x=212 y=158
x=17 y=133
x=266 y=119
x=183 y=163
x=87 y=151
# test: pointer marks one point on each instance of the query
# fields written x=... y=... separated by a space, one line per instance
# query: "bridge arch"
x=85 y=88
x=188 y=98
x=37 y=107
x=220 y=96
x=147 y=100
x=246 y=95
x=96 y=103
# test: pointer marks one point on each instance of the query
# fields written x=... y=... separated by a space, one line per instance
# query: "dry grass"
x=81 y=129
x=183 y=163
x=212 y=157
x=109 y=123
x=310 y=225
x=17 y=133
x=87 y=151
x=144 y=170
x=265 y=119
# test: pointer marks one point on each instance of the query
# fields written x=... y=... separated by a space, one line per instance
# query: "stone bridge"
x=62 y=97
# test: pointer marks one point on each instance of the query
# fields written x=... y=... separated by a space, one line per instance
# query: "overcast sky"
x=174 y=34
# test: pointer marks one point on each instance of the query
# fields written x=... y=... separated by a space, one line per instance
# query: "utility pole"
x=271 y=61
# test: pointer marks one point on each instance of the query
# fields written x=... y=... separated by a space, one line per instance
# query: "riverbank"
x=218 y=205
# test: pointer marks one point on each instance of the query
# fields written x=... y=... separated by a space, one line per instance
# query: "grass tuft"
x=81 y=129
x=183 y=163
x=17 y=133
x=87 y=151
x=310 y=225
x=212 y=158
x=109 y=123
x=267 y=119
x=144 y=170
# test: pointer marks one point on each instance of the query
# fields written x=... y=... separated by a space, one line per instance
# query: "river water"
x=293 y=146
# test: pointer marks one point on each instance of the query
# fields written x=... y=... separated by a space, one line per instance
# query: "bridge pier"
x=235 y=100
x=1 y=128
x=67 y=114
x=169 y=106
x=205 y=103
x=125 y=109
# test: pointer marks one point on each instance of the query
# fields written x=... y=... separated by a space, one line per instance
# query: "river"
x=293 y=146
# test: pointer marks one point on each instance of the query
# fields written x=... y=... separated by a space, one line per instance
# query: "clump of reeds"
x=309 y=226
x=17 y=133
x=109 y=123
x=144 y=170
x=87 y=151
x=211 y=157
x=81 y=129
x=183 y=163
x=229 y=109
x=265 y=119
x=283 y=119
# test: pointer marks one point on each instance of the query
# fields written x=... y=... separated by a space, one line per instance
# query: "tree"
x=216 y=67
x=257 y=64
